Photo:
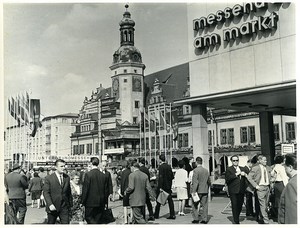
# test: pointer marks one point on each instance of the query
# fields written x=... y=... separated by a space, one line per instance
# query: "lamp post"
x=212 y=146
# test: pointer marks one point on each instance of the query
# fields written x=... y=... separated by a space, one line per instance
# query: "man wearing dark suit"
x=57 y=194
x=259 y=178
x=200 y=184
x=93 y=197
x=249 y=192
x=165 y=177
x=15 y=184
x=108 y=182
x=145 y=170
x=235 y=177
x=287 y=211
x=138 y=186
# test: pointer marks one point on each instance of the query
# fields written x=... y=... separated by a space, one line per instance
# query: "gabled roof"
x=173 y=81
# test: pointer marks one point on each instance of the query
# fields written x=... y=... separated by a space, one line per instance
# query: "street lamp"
x=212 y=146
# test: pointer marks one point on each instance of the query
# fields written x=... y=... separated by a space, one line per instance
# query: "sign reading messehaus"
x=249 y=27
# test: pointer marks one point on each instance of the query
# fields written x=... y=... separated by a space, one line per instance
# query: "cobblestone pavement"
x=219 y=213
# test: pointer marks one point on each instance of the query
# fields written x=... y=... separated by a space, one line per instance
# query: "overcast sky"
x=61 y=52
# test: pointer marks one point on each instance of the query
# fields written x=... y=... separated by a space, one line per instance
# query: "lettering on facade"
x=262 y=23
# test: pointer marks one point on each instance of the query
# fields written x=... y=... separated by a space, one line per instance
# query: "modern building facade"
x=243 y=58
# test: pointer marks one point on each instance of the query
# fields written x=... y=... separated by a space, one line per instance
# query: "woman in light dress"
x=181 y=179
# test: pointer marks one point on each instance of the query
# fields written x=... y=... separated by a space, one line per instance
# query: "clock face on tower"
x=137 y=84
x=115 y=85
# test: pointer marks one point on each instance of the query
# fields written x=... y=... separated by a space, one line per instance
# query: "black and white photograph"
x=142 y=112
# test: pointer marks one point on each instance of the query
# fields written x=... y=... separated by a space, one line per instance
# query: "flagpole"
x=140 y=116
x=165 y=131
x=149 y=123
x=145 y=146
x=171 y=138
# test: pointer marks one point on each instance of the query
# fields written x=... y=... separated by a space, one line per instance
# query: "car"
x=218 y=185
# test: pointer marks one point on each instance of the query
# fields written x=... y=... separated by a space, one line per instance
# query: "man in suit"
x=108 y=182
x=249 y=192
x=165 y=177
x=15 y=184
x=200 y=184
x=145 y=170
x=138 y=186
x=259 y=178
x=235 y=177
x=287 y=211
x=93 y=197
x=57 y=194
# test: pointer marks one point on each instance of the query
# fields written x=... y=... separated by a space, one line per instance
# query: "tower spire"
x=127 y=28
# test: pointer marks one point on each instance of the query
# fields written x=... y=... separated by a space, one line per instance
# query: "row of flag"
x=25 y=111
x=155 y=121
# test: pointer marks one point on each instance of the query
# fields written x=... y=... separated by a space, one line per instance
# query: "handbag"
x=107 y=216
x=162 y=197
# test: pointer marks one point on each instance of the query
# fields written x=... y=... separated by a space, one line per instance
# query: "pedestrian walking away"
x=93 y=193
x=200 y=185
x=15 y=185
x=138 y=186
x=165 y=177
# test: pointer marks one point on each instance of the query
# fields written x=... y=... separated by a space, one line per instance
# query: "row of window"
x=247 y=134
x=125 y=72
x=85 y=128
x=85 y=149
x=183 y=141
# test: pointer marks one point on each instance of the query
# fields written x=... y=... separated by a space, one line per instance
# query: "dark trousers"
x=257 y=207
x=188 y=185
x=19 y=206
x=249 y=203
x=149 y=205
x=237 y=201
x=93 y=215
x=63 y=215
x=171 y=206
x=138 y=215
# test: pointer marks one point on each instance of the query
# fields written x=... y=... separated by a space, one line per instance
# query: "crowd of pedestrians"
x=275 y=195
x=82 y=196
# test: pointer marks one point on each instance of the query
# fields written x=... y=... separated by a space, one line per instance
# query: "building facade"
x=243 y=58
x=52 y=139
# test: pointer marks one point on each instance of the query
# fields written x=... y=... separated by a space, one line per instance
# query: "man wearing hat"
x=15 y=184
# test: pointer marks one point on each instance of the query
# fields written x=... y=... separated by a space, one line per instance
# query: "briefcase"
x=107 y=216
x=162 y=197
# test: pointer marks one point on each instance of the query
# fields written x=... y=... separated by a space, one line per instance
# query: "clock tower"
x=127 y=73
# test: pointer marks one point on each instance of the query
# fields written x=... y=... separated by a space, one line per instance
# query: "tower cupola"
x=127 y=29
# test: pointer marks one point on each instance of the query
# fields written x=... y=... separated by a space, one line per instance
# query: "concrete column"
x=200 y=133
x=267 y=136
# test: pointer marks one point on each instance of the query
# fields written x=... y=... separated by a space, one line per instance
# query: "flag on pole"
x=174 y=124
x=162 y=120
x=35 y=114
